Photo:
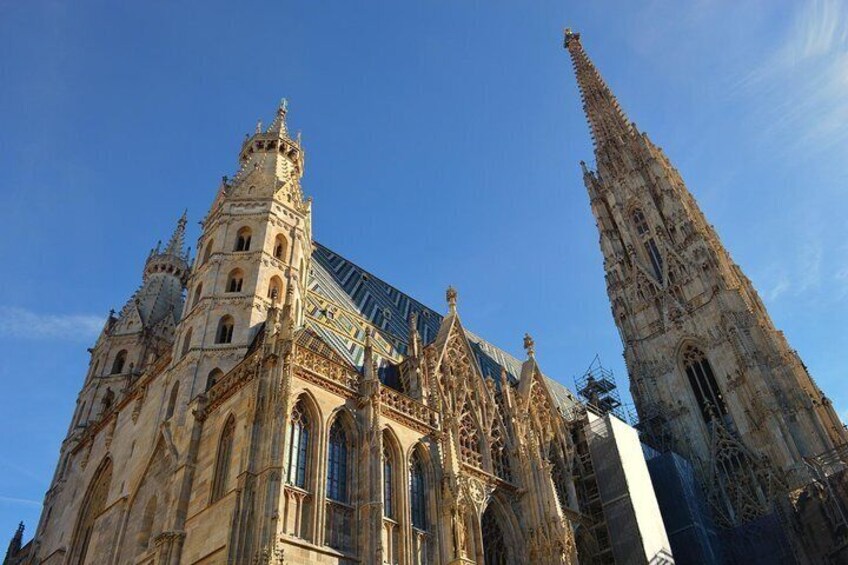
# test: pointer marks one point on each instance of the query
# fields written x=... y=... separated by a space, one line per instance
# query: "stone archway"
x=495 y=549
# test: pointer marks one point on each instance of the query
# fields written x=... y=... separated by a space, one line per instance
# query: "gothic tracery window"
x=222 y=460
x=701 y=378
x=469 y=441
x=648 y=242
x=388 y=480
x=337 y=463
x=298 y=446
x=417 y=493
x=500 y=460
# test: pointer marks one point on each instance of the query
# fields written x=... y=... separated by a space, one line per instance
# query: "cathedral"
x=272 y=402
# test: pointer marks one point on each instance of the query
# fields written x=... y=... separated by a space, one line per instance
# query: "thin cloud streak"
x=21 y=323
x=25 y=501
x=801 y=88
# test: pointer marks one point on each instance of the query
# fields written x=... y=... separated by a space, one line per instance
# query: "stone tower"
x=711 y=376
x=254 y=250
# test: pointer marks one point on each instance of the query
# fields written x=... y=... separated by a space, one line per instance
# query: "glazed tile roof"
x=345 y=299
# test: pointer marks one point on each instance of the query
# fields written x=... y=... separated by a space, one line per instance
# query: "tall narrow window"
x=298 y=446
x=222 y=461
x=235 y=280
x=186 y=343
x=198 y=292
x=699 y=372
x=417 y=493
x=275 y=288
x=494 y=545
x=280 y=247
x=207 y=251
x=213 y=377
x=337 y=459
x=469 y=440
x=243 y=239
x=500 y=460
x=119 y=362
x=651 y=250
x=225 y=330
x=90 y=509
x=388 y=479
x=172 y=401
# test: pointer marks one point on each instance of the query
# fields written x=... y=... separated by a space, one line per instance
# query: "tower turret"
x=710 y=375
x=256 y=244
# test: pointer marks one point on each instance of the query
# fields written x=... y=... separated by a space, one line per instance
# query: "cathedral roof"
x=345 y=300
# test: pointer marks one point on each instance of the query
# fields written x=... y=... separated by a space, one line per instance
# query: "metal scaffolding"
x=598 y=390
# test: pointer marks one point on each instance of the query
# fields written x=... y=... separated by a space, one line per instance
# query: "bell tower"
x=711 y=376
x=254 y=251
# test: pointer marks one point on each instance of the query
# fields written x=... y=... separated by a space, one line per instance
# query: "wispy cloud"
x=15 y=500
x=804 y=82
x=22 y=323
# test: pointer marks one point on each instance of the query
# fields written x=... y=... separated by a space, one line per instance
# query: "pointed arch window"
x=235 y=280
x=417 y=493
x=388 y=480
x=92 y=506
x=648 y=242
x=225 y=330
x=222 y=461
x=198 y=293
x=243 y=239
x=186 y=343
x=119 y=362
x=494 y=545
x=275 y=288
x=298 y=446
x=469 y=440
x=337 y=463
x=207 y=251
x=172 y=400
x=213 y=377
x=701 y=378
x=280 y=247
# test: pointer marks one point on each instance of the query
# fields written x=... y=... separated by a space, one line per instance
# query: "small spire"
x=529 y=346
x=177 y=241
x=278 y=126
x=258 y=126
x=450 y=295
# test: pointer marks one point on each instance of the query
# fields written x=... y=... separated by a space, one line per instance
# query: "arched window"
x=213 y=377
x=243 y=239
x=699 y=372
x=225 y=330
x=280 y=247
x=186 y=343
x=388 y=482
x=145 y=530
x=337 y=464
x=417 y=493
x=469 y=440
x=92 y=506
x=222 y=461
x=494 y=545
x=207 y=252
x=651 y=249
x=119 y=362
x=298 y=446
x=198 y=292
x=235 y=280
x=275 y=288
x=172 y=401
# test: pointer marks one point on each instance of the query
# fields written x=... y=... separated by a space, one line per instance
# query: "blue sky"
x=443 y=141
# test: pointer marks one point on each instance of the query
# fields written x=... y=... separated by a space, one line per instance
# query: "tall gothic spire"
x=606 y=119
x=278 y=126
x=177 y=242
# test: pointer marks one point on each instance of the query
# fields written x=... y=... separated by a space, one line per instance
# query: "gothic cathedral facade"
x=272 y=402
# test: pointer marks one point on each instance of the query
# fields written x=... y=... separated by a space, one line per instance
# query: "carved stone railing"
x=391 y=542
x=326 y=373
x=420 y=547
x=228 y=384
x=406 y=410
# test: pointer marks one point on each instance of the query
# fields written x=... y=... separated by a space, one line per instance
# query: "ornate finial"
x=529 y=345
x=284 y=105
x=279 y=124
x=451 y=295
x=258 y=126
x=569 y=37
